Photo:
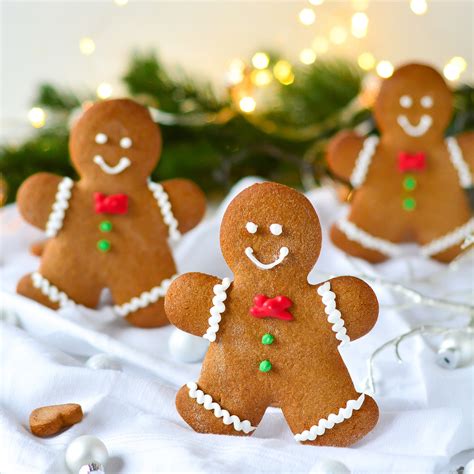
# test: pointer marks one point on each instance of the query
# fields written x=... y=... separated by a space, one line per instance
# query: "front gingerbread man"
x=411 y=183
x=274 y=337
x=109 y=229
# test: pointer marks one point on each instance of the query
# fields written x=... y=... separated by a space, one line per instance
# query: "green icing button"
x=409 y=204
x=105 y=226
x=409 y=183
x=103 y=245
x=265 y=366
x=267 y=339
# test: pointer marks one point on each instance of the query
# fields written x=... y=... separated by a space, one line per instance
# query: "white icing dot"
x=125 y=142
x=406 y=101
x=276 y=229
x=427 y=101
x=101 y=138
x=251 y=227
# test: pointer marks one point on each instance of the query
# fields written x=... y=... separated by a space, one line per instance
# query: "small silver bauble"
x=92 y=468
x=85 y=450
x=456 y=350
x=185 y=347
x=103 y=361
x=329 y=466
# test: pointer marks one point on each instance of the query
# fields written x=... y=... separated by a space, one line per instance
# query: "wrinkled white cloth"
x=426 y=414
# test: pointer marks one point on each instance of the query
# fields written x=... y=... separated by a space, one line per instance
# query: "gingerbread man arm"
x=466 y=143
x=188 y=302
x=357 y=303
x=342 y=153
x=187 y=202
x=36 y=197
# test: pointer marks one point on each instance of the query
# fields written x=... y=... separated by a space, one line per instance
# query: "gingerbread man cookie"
x=274 y=337
x=410 y=183
x=111 y=228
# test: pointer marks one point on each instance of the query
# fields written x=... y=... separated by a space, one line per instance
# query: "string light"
x=37 y=117
x=320 y=45
x=459 y=63
x=104 y=90
x=338 y=35
x=235 y=75
x=359 y=24
x=307 y=16
x=316 y=2
x=260 y=60
x=366 y=61
x=121 y=3
x=87 y=46
x=307 y=56
x=418 y=7
x=384 y=69
x=284 y=72
x=451 y=72
x=360 y=5
x=247 y=104
x=262 y=77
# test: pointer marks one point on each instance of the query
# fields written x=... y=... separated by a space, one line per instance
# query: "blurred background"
x=282 y=75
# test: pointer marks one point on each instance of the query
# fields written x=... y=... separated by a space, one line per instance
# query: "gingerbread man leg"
x=212 y=406
x=340 y=416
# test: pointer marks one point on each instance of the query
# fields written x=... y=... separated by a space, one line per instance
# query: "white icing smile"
x=123 y=164
x=267 y=266
x=415 y=130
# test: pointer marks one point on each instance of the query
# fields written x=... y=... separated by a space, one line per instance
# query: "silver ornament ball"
x=456 y=350
x=329 y=466
x=92 y=468
x=103 y=361
x=187 y=348
x=85 y=450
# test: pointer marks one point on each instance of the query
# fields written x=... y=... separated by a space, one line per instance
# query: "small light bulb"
x=307 y=56
x=366 y=61
x=262 y=77
x=418 y=7
x=260 y=60
x=37 y=117
x=359 y=24
x=316 y=2
x=104 y=90
x=459 y=63
x=360 y=4
x=338 y=35
x=451 y=72
x=121 y=3
x=320 y=45
x=87 y=46
x=307 y=16
x=384 y=69
x=247 y=104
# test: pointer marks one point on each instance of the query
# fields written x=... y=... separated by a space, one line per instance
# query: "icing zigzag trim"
x=208 y=404
x=145 y=299
x=164 y=204
x=452 y=238
x=334 y=315
x=48 y=289
x=363 y=161
x=332 y=420
x=217 y=309
x=61 y=204
x=455 y=155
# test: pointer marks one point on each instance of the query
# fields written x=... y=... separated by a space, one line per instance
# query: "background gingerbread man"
x=410 y=184
x=109 y=229
x=274 y=337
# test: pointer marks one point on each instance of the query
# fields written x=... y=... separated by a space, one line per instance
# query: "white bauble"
x=329 y=466
x=185 y=347
x=469 y=467
x=103 y=361
x=85 y=450
x=456 y=350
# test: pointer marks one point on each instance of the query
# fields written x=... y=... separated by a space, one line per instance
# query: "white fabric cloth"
x=426 y=413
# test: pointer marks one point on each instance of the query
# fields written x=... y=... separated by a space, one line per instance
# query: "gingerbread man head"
x=115 y=141
x=414 y=105
x=270 y=227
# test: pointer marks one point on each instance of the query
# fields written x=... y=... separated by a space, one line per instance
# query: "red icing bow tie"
x=411 y=162
x=111 y=204
x=264 y=307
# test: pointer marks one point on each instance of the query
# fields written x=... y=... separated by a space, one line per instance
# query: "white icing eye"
x=276 y=229
x=406 y=101
x=427 y=101
x=101 y=138
x=125 y=142
x=251 y=227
